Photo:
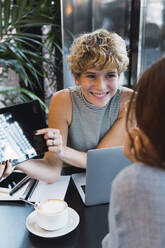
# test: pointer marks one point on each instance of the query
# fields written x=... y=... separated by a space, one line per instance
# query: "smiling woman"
x=89 y=115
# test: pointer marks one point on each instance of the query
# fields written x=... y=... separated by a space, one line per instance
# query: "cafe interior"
x=35 y=37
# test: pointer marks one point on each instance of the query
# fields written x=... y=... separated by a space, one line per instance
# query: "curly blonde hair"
x=99 y=49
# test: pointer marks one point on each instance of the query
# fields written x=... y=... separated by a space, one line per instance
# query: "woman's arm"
x=116 y=135
x=60 y=118
x=49 y=168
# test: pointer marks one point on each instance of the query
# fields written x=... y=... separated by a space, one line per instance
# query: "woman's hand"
x=5 y=168
x=138 y=147
x=53 y=139
x=133 y=144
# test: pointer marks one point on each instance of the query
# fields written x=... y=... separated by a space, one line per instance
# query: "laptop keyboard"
x=12 y=138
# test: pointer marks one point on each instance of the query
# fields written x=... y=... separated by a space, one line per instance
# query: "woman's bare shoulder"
x=61 y=96
x=125 y=94
x=61 y=104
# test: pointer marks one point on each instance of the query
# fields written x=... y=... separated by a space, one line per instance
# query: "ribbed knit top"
x=90 y=123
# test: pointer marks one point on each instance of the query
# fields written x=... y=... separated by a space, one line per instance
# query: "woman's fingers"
x=2 y=168
x=139 y=146
x=56 y=149
x=132 y=144
x=5 y=168
x=48 y=132
x=128 y=147
x=56 y=140
x=8 y=169
x=53 y=139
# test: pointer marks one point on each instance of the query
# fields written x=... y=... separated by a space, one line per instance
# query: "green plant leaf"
x=31 y=3
x=33 y=96
x=14 y=14
x=6 y=13
x=22 y=6
x=1 y=19
x=21 y=49
x=21 y=93
x=25 y=38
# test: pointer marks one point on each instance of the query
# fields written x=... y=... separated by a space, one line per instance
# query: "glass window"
x=152 y=33
x=115 y=16
x=81 y=16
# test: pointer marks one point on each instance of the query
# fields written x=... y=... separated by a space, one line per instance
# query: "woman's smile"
x=99 y=95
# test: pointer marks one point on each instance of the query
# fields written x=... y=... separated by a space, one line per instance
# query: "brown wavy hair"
x=99 y=49
x=147 y=106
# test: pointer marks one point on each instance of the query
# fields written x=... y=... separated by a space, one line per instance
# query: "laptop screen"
x=17 y=126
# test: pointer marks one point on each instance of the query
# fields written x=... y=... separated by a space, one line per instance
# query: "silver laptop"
x=102 y=166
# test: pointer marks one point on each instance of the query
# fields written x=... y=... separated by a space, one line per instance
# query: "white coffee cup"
x=52 y=214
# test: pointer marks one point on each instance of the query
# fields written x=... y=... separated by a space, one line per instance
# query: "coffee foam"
x=52 y=206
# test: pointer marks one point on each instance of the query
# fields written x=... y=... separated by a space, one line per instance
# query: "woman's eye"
x=90 y=76
x=110 y=75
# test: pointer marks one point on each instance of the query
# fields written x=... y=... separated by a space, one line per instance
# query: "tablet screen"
x=18 y=124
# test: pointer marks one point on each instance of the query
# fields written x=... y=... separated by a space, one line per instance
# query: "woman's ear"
x=144 y=149
x=138 y=147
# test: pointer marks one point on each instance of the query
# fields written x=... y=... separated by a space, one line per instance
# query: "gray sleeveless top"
x=90 y=123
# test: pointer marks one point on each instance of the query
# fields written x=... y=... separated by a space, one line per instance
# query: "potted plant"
x=21 y=48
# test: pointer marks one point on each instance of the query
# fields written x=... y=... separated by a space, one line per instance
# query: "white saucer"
x=33 y=227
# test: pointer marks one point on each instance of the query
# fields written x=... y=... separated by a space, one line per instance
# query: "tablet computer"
x=18 y=124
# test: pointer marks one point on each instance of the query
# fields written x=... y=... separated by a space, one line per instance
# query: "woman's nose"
x=100 y=83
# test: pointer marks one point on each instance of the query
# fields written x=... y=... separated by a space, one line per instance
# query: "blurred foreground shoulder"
x=125 y=179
